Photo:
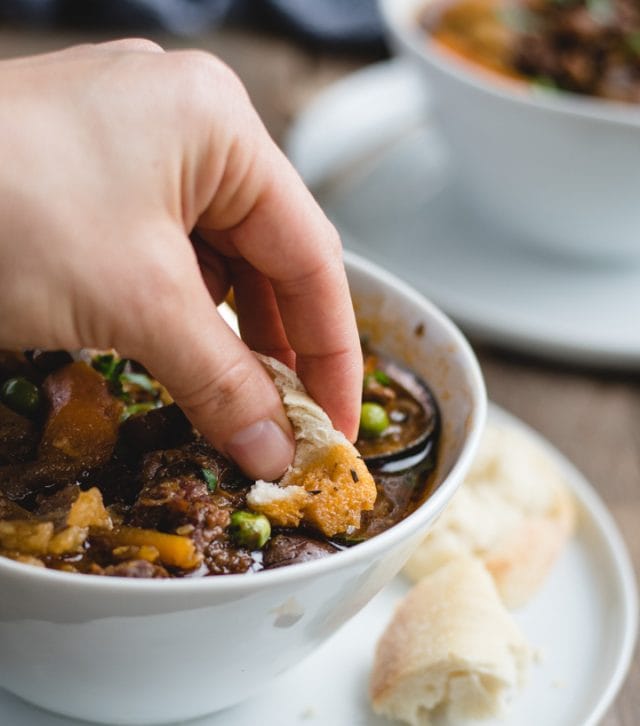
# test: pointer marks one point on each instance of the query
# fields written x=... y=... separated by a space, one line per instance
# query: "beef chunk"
x=135 y=568
x=176 y=498
x=48 y=361
x=287 y=549
x=18 y=437
x=160 y=428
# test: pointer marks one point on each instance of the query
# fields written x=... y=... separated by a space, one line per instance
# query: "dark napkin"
x=348 y=24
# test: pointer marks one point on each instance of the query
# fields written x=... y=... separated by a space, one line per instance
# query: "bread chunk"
x=451 y=649
x=328 y=486
x=513 y=511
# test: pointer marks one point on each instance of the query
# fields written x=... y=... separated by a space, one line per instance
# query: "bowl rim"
x=306 y=570
x=565 y=103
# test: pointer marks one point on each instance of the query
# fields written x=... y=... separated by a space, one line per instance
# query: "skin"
x=136 y=187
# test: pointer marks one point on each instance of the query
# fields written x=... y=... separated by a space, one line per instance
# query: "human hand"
x=112 y=156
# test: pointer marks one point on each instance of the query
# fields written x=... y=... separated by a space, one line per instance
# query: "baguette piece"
x=513 y=511
x=451 y=649
x=328 y=485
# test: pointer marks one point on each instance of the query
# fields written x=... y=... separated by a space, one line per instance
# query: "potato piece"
x=68 y=541
x=173 y=549
x=84 y=418
x=28 y=560
x=88 y=511
x=26 y=537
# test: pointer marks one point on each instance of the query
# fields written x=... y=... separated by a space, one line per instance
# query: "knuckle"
x=204 y=69
x=222 y=390
x=202 y=79
x=141 y=44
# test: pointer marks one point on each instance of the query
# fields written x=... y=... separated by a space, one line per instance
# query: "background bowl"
x=132 y=652
x=559 y=171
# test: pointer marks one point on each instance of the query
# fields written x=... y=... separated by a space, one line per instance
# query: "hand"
x=113 y=156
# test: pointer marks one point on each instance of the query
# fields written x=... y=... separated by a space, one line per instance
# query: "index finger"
x=286 y=236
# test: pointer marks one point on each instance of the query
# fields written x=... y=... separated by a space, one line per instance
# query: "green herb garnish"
x=382 y=377
x=137 y=379
x=118 y=374
x=211 y=478
x=110 y=366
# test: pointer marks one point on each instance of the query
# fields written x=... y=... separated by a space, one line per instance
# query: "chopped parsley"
x=211 y=478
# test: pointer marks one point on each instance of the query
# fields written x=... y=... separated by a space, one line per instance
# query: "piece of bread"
x=513 y=511
x=451 y=650
x=328 y=486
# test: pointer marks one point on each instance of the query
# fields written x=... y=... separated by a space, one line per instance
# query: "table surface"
x=591 y=416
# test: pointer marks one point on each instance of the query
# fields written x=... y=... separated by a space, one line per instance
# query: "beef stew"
x=101 y=473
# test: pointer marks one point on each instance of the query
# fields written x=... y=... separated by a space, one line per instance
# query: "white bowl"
x=557 y=170
x=141 y=651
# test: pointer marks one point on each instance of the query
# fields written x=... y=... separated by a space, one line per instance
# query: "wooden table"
x=591 y=416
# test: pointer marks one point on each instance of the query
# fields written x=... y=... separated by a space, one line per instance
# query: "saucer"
x=583 y=622
x=373 y=156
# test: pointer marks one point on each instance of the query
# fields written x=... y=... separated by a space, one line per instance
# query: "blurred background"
x=287 y=52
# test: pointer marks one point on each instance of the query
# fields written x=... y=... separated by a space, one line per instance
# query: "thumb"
x=210 y=373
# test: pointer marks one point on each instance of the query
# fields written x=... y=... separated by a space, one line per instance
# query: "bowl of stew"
x=137 y=585
x=540 y=103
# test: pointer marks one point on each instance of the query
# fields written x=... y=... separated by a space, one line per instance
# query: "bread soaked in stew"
x=101 y=473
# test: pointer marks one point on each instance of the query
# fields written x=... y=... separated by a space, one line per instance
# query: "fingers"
x=121 y=45
x=208 y=370
x=258 y=314
x=131 y=45
x=287 y=238
x=259 y=209
x=213 y=268
x=139 y=45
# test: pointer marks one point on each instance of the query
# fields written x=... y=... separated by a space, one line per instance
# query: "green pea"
x=373 y=420
x=250 y=530
x=21 y=395
x=381 y=377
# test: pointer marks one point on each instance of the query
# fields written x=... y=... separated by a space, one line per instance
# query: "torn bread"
x=328 y=486
x=513 y=511
x=451 y=649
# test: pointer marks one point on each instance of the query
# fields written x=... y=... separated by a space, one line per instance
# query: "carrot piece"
x=174 y=549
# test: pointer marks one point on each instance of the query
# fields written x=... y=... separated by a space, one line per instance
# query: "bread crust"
x=451 y=648
x=513 y=511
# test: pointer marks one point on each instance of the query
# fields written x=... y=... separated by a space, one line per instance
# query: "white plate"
x=584 y=620
x=384 y=179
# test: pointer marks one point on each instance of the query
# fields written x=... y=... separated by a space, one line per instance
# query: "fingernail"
x=262 y=450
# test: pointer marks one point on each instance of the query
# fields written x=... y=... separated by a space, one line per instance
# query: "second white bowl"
x=561 y=172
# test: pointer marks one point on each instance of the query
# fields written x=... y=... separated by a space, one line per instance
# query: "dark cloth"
x=348 y=24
